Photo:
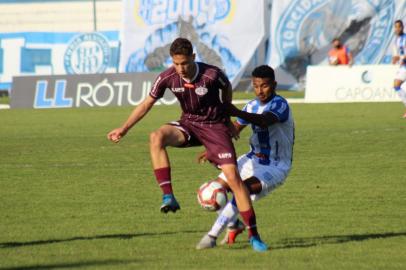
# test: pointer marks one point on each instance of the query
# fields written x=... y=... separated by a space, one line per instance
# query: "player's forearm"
x=262 y=120
x=137 y=114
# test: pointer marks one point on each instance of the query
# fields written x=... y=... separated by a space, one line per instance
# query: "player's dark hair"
x=399 y=22
x=264 y=71
x=181 y=46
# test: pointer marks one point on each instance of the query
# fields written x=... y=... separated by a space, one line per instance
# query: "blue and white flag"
x=302 y=31
x=225 y=33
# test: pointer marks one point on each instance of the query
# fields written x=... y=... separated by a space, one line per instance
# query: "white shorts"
x=401 y=74
x=270 y=176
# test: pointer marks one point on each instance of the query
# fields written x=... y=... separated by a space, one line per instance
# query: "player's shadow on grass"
x=95 y=263
x=84 y=238
x=331 y=239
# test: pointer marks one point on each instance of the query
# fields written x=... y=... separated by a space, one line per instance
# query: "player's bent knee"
x=156 y=139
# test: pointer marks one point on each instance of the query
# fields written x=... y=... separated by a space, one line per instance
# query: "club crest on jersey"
x=201 y=91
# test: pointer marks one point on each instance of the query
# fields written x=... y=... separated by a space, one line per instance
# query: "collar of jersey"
x=195 y=76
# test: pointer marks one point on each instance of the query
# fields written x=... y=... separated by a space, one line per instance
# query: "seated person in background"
x=339 y=54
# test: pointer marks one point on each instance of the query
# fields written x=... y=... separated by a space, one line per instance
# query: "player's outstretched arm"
x=137 y=114
x=263 y=120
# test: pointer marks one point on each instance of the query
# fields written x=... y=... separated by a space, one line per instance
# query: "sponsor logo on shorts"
x=201 y=91
x=225 y=155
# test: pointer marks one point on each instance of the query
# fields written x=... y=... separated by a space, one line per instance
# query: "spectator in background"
x=339 y=54
x=399 y=58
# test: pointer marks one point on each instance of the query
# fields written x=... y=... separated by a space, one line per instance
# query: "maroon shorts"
x=216 y=139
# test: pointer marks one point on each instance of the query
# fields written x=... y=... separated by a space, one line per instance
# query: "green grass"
x=69 y=199
x=4 y=100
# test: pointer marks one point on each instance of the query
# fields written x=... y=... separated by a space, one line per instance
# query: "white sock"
x=227 y=215
x=402 y=93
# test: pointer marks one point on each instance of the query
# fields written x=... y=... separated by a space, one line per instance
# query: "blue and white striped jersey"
x=399 y=48
x=274 y=144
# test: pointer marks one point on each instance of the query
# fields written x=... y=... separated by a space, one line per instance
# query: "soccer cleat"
x=233 y=232
x=257 y=244
x=169 y=203
x=206 y=242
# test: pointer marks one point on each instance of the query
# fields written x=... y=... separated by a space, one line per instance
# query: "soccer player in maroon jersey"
x=198 y=87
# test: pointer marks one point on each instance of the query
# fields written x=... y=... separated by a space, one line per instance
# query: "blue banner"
x=219 y=30
x=302 y=32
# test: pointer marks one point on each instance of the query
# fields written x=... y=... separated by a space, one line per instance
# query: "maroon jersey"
x=199 y=98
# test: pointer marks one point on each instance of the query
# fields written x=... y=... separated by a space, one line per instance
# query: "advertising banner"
x=225 y=33
x=45 y=53
x=302 y=32
x=72 y=91
x=58 y=37
x=362 y=83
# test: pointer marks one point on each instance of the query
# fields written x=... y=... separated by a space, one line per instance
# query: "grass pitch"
x=69 y=199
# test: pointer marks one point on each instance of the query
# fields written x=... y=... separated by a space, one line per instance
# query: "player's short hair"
x=336 y=39
x=264 y=71
x=181 y=46
x=399 y=22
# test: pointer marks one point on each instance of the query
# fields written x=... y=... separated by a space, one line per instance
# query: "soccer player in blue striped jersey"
x=269 y=160
x=399 y=57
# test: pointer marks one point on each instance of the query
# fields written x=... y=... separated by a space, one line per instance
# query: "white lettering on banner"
x=144 y=91
x=359 y=83
x=121 y=86
x=103 y=93
x=84 y=97
x=158 y=12
x=366 y=93
x=103 y=85
x=149 y=25
x=295 y=21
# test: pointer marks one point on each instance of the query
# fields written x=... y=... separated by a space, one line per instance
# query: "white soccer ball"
x=212 y=196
